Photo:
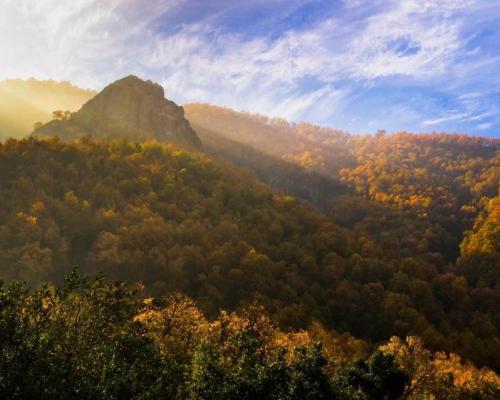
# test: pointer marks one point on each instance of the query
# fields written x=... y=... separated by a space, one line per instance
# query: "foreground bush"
x=94 y=339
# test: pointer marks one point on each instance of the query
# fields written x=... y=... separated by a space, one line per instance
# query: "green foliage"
x=96 y=339
x=91 y=340
x=80 y=341
x=377 y=378
x=308 y=380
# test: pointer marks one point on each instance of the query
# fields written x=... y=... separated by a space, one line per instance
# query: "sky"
x=356 y=65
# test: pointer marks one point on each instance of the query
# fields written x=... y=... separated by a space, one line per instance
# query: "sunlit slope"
x=315 y=148
x=25 y=102
x=410 y=193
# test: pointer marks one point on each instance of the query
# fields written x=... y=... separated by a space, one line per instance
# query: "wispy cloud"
x=447 y=117
x=329 y=61
x=486 y=125
x=81 y=40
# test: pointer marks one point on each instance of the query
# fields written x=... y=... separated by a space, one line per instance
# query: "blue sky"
x=357 y=65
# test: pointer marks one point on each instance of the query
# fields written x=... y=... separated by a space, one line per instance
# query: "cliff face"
x=131 y=108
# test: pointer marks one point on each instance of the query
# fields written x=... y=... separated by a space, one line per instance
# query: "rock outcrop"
x=129 y=108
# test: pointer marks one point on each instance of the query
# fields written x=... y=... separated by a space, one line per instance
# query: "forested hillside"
x=405 y=194
x=344 y=244
x=426 y=202
x=179 y=221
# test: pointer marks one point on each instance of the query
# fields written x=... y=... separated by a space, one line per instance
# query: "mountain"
x=25 y=102
x=312 y=147
x=281 y=174
x=18 y=116
x=128 y=108
x=381 y=259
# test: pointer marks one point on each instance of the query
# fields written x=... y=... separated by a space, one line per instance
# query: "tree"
x=60 y=115
x=378 y=378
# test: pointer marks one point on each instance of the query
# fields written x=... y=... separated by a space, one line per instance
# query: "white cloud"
x=81 y=40
x=447 y=117
x=239 y=73
x=308 y=72
x=64 y=38
x=484 y=126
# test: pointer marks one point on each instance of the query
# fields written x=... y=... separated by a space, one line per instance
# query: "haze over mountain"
x=402 y=172
x=25 y=102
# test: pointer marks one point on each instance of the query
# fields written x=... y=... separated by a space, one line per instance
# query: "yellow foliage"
x=38 y=206
x=434 y=375
x=176 y=326
x=71 y=198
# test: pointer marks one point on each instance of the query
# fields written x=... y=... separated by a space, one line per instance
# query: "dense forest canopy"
x=430 y=199
x=179 y=221
x=429 y=188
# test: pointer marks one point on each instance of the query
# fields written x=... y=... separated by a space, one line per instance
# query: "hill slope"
x=384 y=260
x=430 y=185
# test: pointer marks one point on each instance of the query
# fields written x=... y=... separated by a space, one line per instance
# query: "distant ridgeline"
x=128 y=108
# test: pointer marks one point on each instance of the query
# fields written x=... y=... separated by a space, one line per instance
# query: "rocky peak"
x=135 y=109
